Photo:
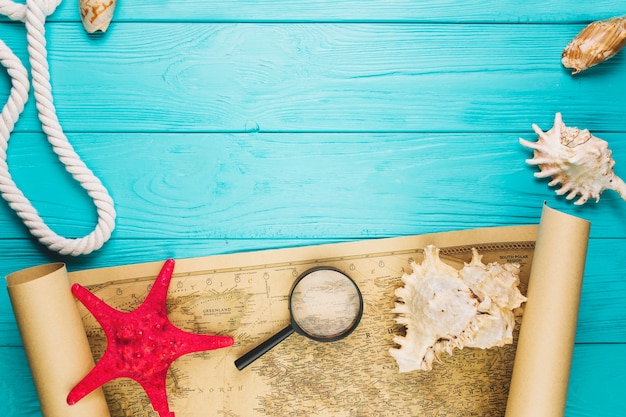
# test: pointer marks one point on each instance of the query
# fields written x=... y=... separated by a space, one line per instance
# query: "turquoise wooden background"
x=230 y=126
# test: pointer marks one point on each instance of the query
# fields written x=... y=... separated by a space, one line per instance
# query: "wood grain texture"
x=308 y=77
x=356 y=10
x=245 y=125
x=286 y=185
x=16 y=385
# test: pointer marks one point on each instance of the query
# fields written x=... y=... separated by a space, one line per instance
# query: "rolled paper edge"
x=540 y=378
x=54 y=339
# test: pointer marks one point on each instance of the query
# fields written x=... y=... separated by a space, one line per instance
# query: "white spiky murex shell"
x=443 y=308
x=597 y=42
x=96 y=15
x=580 y=162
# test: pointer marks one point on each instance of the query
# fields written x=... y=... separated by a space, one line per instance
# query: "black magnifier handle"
x=263 y=348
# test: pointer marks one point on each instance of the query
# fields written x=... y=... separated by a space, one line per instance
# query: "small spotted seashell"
x=96 y=15
x=596 y=43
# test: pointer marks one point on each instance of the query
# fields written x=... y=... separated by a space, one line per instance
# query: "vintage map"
x=300 y=377
x=245 y=295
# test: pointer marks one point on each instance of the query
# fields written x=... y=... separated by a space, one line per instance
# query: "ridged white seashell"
x=444 y=308
x=596 y=43
x=576 y=159
x=96 y=14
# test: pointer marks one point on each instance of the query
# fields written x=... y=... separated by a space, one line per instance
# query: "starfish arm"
x=98 y=308
x=191 y=342
x=156 y=390
x=97 y=377
x=157 y=297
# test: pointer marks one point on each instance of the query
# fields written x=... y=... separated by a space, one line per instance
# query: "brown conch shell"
x=443 y=308
x=596 y=43
x=96 y=14
x=576 y=159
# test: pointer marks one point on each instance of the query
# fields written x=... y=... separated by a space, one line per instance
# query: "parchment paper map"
x=245 y=296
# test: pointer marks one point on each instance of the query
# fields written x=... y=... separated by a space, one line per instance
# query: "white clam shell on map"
x=443 y=308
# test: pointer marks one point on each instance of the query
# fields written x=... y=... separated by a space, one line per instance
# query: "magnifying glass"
x=324 y=305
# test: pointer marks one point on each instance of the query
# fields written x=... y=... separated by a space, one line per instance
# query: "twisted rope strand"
x=12 y=10
x=34 y=14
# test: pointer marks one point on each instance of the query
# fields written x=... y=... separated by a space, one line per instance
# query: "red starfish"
x=142 y=344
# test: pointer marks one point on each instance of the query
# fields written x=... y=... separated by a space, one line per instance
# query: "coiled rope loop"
x=34 y=14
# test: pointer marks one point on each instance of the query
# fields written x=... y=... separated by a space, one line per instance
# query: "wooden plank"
x=602 y=316
x=356 y=10
x=19 y=398
x=594 y=375
x=323 y=78
x=597 y=381
x=297 y=186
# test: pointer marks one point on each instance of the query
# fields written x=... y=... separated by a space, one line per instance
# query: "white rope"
x=34 y=14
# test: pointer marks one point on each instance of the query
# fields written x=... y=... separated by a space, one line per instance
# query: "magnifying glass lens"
x=325 y=304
